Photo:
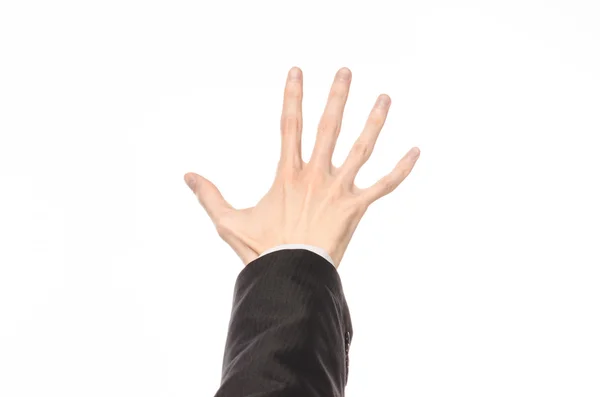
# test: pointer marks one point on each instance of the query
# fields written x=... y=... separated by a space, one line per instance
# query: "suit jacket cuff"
x=290 y=328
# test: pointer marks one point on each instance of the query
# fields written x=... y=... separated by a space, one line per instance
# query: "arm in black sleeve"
x=290 y=329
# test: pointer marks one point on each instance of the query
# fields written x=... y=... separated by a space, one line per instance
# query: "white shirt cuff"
x=316 y=250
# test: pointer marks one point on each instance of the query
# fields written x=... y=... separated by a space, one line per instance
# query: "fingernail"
x=295 y=74
x=344 y=74
x=191 y=182
x=383 y=101
x=415 y=152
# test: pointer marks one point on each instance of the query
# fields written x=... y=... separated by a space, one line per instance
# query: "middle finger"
x=331 y=121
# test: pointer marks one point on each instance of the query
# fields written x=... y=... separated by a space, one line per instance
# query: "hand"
x=310 y=203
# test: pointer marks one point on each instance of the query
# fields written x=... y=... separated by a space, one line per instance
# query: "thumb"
x=208 y=195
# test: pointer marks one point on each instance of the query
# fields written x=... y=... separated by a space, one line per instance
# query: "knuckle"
x=338 y=187
x=287 y=175
x=328 y=124
x=404 y=173
x=361 y=149
x=389 y=185
x=314 y=176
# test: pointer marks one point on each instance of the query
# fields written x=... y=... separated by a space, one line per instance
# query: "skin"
x=310 y=203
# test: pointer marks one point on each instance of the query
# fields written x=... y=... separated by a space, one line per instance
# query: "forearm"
x=290 y=328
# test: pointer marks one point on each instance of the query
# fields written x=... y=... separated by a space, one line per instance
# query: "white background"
x=478 y=276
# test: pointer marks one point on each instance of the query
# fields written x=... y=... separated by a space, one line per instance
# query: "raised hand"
x=310 y=203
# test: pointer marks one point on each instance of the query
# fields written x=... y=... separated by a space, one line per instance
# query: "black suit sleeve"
x=290 y=329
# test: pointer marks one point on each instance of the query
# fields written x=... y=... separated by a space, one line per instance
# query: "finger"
x=331 y=120
x=364 y=145
x=291 y=120
x=208 y=195
x=390 y=182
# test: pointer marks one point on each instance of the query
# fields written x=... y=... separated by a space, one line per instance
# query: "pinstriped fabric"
x=289 y=331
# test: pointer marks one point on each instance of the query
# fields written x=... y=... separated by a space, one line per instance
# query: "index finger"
x=291 y=120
